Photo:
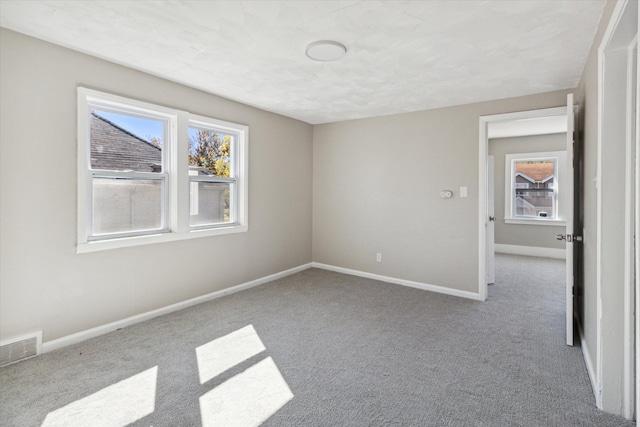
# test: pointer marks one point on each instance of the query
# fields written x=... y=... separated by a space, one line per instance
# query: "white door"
x=569 y=237
x=491 y=238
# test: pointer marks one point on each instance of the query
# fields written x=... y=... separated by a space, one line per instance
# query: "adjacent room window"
x=532 y=187
x=148 y=173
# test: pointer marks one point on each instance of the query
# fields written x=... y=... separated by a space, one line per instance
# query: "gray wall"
x=44 y=284
x=542 y=236
x=376 y=186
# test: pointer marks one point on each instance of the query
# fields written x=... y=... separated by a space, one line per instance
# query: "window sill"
x=526 y=221
x=125 y=242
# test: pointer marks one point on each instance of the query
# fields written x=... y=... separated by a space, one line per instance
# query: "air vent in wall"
x=20 y=348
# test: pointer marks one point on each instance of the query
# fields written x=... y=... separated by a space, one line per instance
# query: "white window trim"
x=534 y=221
x=177 y=209
x=202 y=122
x=560 y=158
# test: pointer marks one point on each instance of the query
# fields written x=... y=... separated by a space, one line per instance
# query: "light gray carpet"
x=353 y=351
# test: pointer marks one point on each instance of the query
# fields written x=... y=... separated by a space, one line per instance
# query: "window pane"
x=126 y=143
x=535 y=188
x=210 y=203
x=125 y=205
x=210 y=152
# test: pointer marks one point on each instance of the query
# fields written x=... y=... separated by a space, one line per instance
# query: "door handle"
x=570 y=238
x=492 y=218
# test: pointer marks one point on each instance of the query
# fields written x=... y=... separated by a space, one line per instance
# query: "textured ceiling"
x=402 y=55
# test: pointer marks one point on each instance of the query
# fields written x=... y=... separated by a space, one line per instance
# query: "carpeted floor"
x=325 y=349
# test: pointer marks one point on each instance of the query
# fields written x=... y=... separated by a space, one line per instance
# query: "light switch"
x=463 y=191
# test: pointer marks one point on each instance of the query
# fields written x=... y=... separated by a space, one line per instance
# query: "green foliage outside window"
x=211 y=151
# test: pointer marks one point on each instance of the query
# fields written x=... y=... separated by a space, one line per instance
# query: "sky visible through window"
x=142 y=128
x=193 y=136
x=146 y=129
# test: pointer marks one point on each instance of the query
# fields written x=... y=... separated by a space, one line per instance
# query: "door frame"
x=636 y=261
x=483 y=180
x=608 y=48
x=631 y=245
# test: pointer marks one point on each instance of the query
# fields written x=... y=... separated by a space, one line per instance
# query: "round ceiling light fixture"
x=326 y=50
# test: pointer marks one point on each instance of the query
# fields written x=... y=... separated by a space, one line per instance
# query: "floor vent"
x=21 y=348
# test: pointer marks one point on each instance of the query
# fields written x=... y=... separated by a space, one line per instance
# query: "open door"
x=570 y=237
x=491 y=225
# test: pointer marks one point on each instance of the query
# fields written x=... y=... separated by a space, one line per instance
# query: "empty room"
x=319 y=213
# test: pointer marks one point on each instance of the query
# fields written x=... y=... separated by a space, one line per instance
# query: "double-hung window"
x=213 y=173
x=148 y=173
x=533 y=187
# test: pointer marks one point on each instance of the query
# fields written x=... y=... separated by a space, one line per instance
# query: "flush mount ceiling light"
x=325 y=50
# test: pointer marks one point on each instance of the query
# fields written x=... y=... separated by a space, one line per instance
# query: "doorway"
x=560 y=119
x=526 y=178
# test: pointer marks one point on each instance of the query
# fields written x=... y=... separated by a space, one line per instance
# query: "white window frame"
x=510 y=184
x=175 y=173
x=205 y=123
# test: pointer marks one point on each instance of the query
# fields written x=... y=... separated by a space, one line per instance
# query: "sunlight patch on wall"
x=119 y=404
x=226 y=352
x=247 y=399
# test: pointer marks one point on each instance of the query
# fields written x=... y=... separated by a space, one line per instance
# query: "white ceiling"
x=402 y=55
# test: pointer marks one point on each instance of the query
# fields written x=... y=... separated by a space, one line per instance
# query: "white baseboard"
x=530 y=251
x=403 y=282
x=109 y=327
x=590 y=369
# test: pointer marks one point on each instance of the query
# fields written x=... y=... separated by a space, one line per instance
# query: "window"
x=149 y=174
x=533 y=188
x=212 y=174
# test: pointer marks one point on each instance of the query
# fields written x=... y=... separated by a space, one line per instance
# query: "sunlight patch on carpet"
x=223 y=353
x=119 y=404
x=247 y=399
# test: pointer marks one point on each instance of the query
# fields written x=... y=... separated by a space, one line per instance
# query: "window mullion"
x=179 y=175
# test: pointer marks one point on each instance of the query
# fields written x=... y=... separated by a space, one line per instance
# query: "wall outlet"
x=378 y=257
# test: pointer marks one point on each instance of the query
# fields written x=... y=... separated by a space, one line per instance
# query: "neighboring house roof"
x=535 y=172
x=115 y=148
x=532 y=180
